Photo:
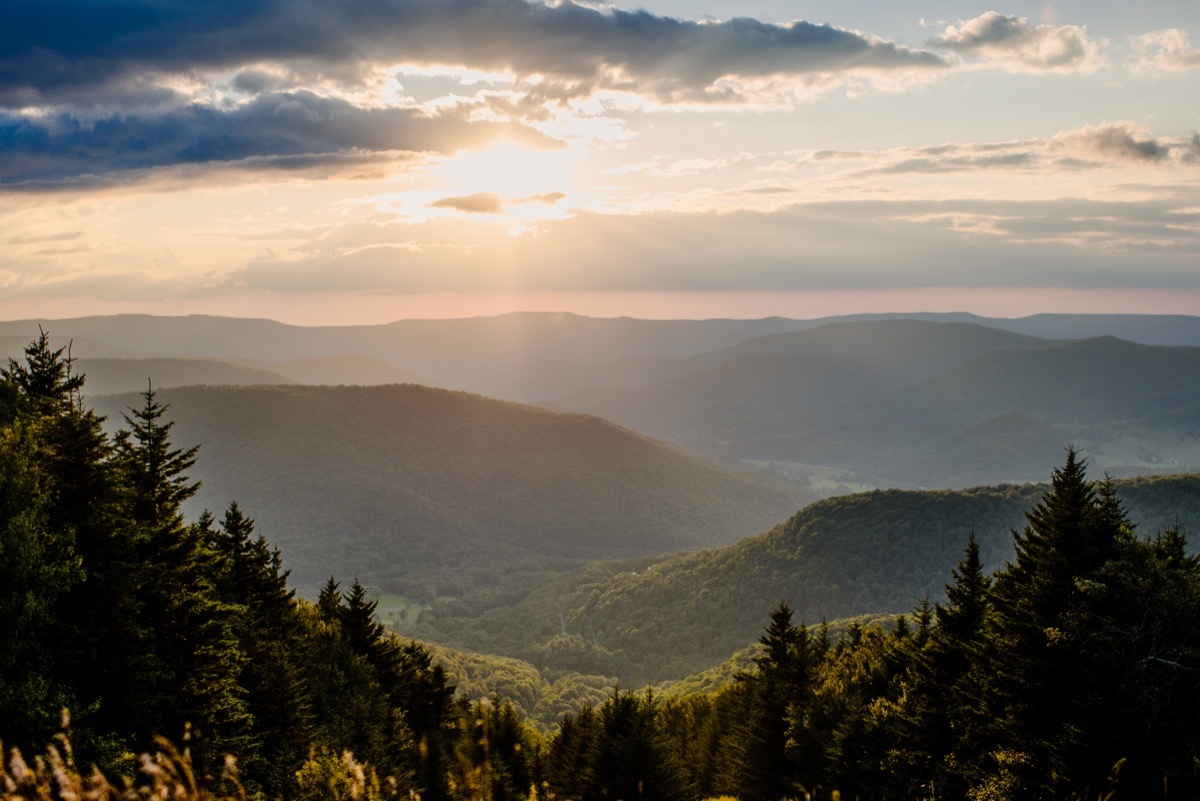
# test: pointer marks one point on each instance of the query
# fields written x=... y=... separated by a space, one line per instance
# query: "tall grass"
x=167 y=774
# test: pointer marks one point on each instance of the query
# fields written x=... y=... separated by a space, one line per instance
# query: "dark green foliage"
x=940 y=725
x=46 y=383
x=619 y=751
x=37 y=567
x=650 y=620
x=143 y=625
x=1077 y=660
x=783 y=684
x=496 y=755
x=249 y=576
x=154 y=473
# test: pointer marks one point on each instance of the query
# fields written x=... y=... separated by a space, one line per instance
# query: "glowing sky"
x=339 y=161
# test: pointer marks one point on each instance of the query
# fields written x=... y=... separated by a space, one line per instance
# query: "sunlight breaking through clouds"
x=163 y=151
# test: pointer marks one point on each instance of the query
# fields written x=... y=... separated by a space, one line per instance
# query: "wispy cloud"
x=1090 y=147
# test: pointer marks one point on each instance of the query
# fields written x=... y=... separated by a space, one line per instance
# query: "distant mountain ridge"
x=874 y=400
x=467 y=353
x=907 y=403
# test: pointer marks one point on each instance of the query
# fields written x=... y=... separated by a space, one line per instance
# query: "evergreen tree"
x=249 y=576
x=1038 y=673
x=102 y=648
x=571 y=760
x=1141 y=686
x=853 y=713
x=154 y=472
x=633 y=755
x=940 y=730
x=329 y=601
x=37 y=566
x=197 y=654
x=45 y=384
x=778 y=691
x=496 y=751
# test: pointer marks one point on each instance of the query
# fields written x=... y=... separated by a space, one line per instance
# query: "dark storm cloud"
x=51 y=48
x=286 y=131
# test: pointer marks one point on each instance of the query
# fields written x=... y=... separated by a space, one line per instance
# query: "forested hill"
x=391 y=481
x=876 y=552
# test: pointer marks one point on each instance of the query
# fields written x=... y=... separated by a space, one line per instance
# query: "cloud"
x=1091 y=147
x=1164 y=51
x=575 y=48
x=292 y=131
x=1114 y=143
x=813 y=246
x=492 y=203
x=107 y=92
x=1017 y=44
x=478 y=203
x=549 y=198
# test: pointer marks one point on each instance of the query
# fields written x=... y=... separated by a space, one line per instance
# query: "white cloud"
x=1014 y=43
x=1164 y=51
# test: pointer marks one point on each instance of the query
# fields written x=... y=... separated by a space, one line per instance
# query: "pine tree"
x=1038 y=670
x=249 y=576
x=633 y=755
x=782 y=685
x=37 y=566
x=155 y=472
x=571 y=761
x=46 y=384
x=940 y=734
x=329 y=601
x=197 y=654
x=102 y=648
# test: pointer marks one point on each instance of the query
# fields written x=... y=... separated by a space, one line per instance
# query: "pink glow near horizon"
x=351 y=309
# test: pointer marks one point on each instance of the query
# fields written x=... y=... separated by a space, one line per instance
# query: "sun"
x=516 y=174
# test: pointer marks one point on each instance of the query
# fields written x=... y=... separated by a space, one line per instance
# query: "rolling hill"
x=878 y=552
x=398 y=481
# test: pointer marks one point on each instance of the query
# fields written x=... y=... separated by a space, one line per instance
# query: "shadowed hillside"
x=393 y=481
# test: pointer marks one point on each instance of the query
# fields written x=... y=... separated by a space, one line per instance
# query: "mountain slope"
x=393 y=481
x=876 y=552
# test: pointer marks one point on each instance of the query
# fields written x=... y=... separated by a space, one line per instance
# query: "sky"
x=358 y=161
